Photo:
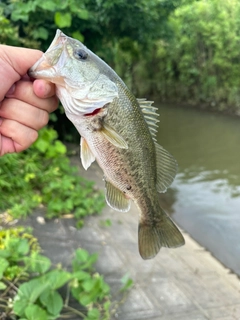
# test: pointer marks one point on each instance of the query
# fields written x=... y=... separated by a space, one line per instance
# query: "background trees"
x=181 y=50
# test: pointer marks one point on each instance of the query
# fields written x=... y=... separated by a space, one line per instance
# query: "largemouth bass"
x=118 y=131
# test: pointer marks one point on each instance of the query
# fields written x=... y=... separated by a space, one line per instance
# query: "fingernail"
x=10 y=91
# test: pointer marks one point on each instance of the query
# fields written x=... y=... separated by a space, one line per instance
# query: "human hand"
x=24 y=105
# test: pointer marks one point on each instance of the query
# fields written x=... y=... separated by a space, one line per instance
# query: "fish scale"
x=118 y=131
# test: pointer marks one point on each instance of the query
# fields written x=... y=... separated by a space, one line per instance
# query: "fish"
x=119 y=132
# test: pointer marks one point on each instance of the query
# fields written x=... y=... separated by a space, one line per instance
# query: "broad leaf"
x=52 y=301
x=38 y=263
x=34 y=312
x=56 y=278
x=63 y=20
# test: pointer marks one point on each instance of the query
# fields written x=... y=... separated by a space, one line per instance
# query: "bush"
x=200 y=64
x=42 y=175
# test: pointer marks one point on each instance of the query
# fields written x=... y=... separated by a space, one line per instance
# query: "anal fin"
x=115 y=198
x=87 y=157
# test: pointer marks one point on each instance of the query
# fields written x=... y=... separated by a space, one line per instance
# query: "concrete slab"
x=179 y=284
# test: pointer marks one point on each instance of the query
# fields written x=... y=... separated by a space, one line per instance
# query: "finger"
x=22 y=137
x=24 y=113
x=43 y=88
x=7 y=145
x=23 y=91
x=20 y=59
x=14 y=63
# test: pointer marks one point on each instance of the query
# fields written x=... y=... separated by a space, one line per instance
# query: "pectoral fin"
x=86 y=155
x=166 y=168
x=116 y=198
x=112 y=136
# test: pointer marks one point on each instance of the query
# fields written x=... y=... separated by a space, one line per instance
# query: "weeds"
x=43 y=176
x=29 y=283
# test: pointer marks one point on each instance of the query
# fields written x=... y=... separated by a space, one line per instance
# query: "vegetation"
x=31 y=288
x=29 y=284
x=42 y=175
x=181 y=50
x=201 y=63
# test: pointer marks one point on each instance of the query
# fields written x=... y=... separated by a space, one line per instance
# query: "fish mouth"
x=59 y=40
x=44 y=67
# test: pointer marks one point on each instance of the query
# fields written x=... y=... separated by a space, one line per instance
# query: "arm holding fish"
x=24 y=105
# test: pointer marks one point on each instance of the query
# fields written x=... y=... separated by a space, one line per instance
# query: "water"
x=205 y=196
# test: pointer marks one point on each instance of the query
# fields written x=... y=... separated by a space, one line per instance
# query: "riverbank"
x=179 y=284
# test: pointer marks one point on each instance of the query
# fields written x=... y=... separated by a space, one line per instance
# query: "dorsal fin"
x=166 y=168
x=150 y=115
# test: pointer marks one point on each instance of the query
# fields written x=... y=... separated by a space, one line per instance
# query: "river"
x=204 y=199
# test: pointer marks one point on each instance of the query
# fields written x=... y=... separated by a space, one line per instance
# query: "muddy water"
x=205 y=196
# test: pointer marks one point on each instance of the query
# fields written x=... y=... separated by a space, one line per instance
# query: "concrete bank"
x=179 y=284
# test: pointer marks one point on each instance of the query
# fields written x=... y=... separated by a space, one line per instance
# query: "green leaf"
x=40 y=33
x=22 y=246
x=49 y=5
x=83 y=260
x=57 y=149
x=37 y=263
x=93 y=314
x=60 y=147
x=89 y=284
x=77 y=35
x=31 y=290
x=2 y=286
x=3 y=266
x=82 y=14
x=81 y=275
x=107 y=305
x=52 y=301
x=34 y=312
x=127 y=282
x=63 y=20
x=41 y=145
x=5 y=253
x=81 y=255
x=20 y=305
x=85 y=298
x=56 y=278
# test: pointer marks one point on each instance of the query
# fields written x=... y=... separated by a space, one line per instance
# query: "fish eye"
x=80 y=54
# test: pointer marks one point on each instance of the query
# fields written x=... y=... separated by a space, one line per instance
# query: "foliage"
x=200 y=63
x=29 y=284
x=181 y=50
x=206 y=55
x=95 y=20
x=42 y=175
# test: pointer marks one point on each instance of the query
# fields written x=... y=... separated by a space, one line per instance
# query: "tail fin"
x=162 y=233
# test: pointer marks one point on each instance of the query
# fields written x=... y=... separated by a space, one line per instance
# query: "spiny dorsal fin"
x=150 y=115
